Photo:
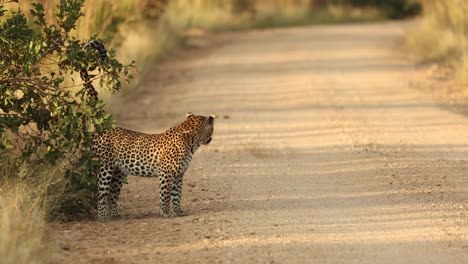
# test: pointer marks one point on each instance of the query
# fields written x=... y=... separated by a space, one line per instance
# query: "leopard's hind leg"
x=104 y=181
x=165 y=187
x=115 y=187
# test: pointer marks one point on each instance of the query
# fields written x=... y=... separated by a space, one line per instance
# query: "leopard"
x=167 y=156
x=122 y=152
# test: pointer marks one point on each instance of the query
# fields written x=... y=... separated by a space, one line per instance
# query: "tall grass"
x=440 y=35
x=29 y=194
x=24 y=206
x=22 y=224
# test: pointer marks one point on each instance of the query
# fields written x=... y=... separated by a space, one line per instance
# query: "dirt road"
x=327 y=149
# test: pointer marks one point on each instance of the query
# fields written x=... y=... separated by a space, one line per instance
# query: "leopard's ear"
x=189 y=114
x=211 y=118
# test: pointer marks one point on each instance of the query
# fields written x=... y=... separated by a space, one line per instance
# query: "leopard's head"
x=206 y=127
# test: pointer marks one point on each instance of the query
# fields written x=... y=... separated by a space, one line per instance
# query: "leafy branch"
x=41 y=117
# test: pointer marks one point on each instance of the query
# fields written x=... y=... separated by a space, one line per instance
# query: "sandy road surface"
x=325 y=151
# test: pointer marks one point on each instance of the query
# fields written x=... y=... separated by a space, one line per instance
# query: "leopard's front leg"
x=176 y=195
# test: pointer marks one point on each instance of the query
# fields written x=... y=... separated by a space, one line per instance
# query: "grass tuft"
x=440 y=36
x=22 y=222
x=29 y=194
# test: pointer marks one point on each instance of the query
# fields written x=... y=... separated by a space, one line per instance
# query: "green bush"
x=42 y=120
x=392 y=8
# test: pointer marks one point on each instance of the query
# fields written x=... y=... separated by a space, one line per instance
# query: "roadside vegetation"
x=25 y=199
x=150 y=30
x=46 y=120
x=46 y=124
x=440 y=36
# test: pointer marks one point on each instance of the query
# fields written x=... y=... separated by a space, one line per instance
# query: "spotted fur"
x=166 y=156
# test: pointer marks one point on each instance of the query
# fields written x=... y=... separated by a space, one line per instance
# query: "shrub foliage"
x=45 y=115
x=392 y=8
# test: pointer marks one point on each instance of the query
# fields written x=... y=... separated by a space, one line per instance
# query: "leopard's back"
x=130 y=151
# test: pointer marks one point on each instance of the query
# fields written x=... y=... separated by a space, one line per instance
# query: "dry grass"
x=23 y=219
x=25 y=202
x=440 y=35
x=22 y=224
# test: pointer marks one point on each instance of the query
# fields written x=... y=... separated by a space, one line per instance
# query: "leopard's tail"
x=87 y=82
